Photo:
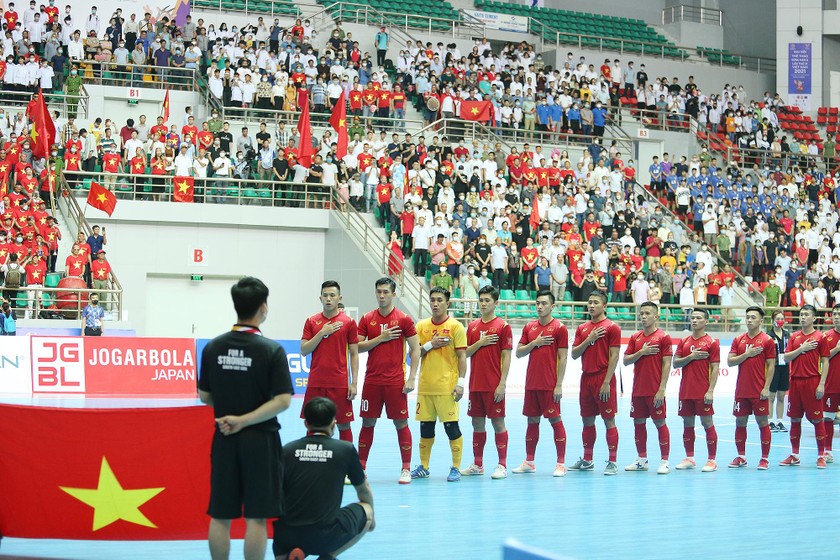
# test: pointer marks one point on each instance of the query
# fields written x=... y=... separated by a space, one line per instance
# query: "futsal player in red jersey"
x=383 y=334
x=597 y=342
x=330 y=336
x=546 y=343
x=807 y=385
x=650 y=351
x=698 y=355
x=755 y=355
x=829 y=348
x=489 y=344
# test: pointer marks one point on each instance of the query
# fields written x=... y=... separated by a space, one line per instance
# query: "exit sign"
x=133 y=102
x=197 y=277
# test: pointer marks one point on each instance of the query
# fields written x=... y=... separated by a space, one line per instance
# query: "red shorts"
x=744 y=407
x=483 y=405
x=802 y=398
x=695 y=407
x=643 y=407
x=344 y=407
x=831 y=401
x=540 y=402
x=374 y=397
x=590 y=401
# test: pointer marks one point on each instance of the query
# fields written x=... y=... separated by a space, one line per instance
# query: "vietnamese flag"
x=305 y=149
x=101 y=198
x=165 y=111
x=43 y=127
x=476 y=110
x=534 y=219
x=184 y=189
x=105 y=474
x=338 y=120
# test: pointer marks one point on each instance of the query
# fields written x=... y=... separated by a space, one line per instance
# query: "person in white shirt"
x=222 y=168
x=183 y=163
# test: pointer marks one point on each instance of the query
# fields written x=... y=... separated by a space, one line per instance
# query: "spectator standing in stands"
x=100 y=271
x=381 y=41
x=13 y=275
x=92 y=317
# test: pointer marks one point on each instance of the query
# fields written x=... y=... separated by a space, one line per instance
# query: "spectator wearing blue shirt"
x=543 y=116
x=96 y=241
x=556 y=115
x=92 y=317
x=657 y=182
x=574 y=118
x=599 y=119
x=697 y=210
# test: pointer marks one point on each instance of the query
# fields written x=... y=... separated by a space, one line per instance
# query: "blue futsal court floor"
x=743 y=513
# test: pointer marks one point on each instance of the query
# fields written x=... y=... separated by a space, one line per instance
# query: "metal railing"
x=72 y=105
x=363 y=14
x=272 y=9
x=37 y=302
x=138 y=75
x=692 y=14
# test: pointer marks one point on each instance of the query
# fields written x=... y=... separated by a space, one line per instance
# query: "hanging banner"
x=799 y=75
x=500 y=22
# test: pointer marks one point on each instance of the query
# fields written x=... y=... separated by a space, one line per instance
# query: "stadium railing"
x=76 y=105
x=692 y=14
x=140 y=76
x=251 y=116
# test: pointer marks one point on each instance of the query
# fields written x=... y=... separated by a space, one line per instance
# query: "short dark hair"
x=650 y=304
x=491 y=291
x=755 y=308
x=704 y=312
x=331 y=284
x=439 y=290
x=248 y=295
x=600 y=295
x=319 y=412
x=385 y=281
x=546 y=293
x=808 y=307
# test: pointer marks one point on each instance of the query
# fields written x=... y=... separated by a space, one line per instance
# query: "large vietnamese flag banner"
x=105 y=474
x=480 y=111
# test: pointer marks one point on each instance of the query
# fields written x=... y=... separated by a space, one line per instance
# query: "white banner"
x=15 y=365
x=501 y=22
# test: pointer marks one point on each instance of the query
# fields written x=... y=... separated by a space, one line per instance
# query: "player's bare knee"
x=588 y=421
x=342 y=427
x=554 y=420
x=478 y=423
x=399 y=424
x=609 y=423
x=659 y=423
x=636 y=420
x=498 y=425
x=688 y=421
x=534 y=419
x=452 y=429
x=706 y=421
x=368 y=422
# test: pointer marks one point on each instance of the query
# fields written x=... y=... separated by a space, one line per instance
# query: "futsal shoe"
x=582 y=465
x=420 y=472
x=821 y=462
x=710 y=466
x=560 y=470
x=405 y=476
x=525 y=467
x=296 y=554
x=612 y=469
x=473 y=470
x=454 y=475
x=686 y=464
x=781 y=427
x=791 y=461
x=829 y=458
x=640 y=464
x=773 y=427
x=499 y=473
x=737 y=463
x=763 y=464
x=664 y=468
x=347 y=481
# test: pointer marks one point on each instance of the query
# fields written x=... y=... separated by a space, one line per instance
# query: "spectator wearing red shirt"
x=52 y=236
x=75 y=263
x=36 y=271
x=111 y=165
x=619 y=275
x=100 y=271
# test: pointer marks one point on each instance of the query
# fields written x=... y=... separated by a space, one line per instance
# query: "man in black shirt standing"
x=313 y=521
x=245 y=377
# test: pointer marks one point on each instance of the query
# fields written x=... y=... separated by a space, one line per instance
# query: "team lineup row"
x=440 y=346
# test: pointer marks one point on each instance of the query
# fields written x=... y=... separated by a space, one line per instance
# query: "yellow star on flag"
x=111 y=503
x=474 y=110
x=183 y=186
x=101 y=197
x=34 y=133
x=341 y=123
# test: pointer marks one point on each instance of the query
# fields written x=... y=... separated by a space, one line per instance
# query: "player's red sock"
x=688 y=441
x=501 y=447
x=795 y=436
x=741 y=440
x=819 y=431
x=560 y=440
x=346 y=435
x=479 y=439
x=711 y=442
x=532 y=436
x=404 y=439
x=828 y=428
x=641 y=439
x=365 y=441
x=664 y=441
x=766 y=438
x=589 y=434
x=612 y=442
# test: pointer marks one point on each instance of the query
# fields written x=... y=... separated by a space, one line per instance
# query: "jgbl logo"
x=58 y=366
x=297 y=363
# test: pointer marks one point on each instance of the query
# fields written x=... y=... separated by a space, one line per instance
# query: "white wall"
x=112 y=102
x=150 y=247
x=789 y=15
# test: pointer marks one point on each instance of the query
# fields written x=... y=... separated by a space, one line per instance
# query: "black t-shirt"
x=243 y=371
x=281 y=166
x=225 y=139
x=313 y=479
x=312 y=178
x=262 y=137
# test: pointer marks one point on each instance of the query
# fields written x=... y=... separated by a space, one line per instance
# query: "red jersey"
x=99 y=270
x=75 y=264
x=407 y=222
x=595 y=359
x=11 y=18
x=751 y=372
x=137 y=165
x=52 y=12
x=486 y=363
x=806 y=364
x=36 y=271
x=399 y=100
x=111 y=163
x=695 y=374
x=329 y=360
x=364 y=161
x=829 y=341
x=386 y=361
x=530 y=258
x=714 y=284
x=356 y=100
x=205 y=139
x=383 y=193
x=541 y=374
x=619 y=281
x=647 y=370
x=384 y=98
x=84 y=250
x=190 y=132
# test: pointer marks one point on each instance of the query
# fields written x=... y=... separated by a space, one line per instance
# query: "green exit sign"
x=197 y=277
x=133 y=101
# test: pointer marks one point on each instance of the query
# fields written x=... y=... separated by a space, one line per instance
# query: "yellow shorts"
x=436 y=407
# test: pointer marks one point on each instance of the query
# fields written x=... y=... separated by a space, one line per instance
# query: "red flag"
x=305 y=149
x=338 y=121
x=476 y=110
x=165 y=114
x=43 y=127
x=534 y=220
x=101 y=198
x=105 y=474
x=184 y=189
